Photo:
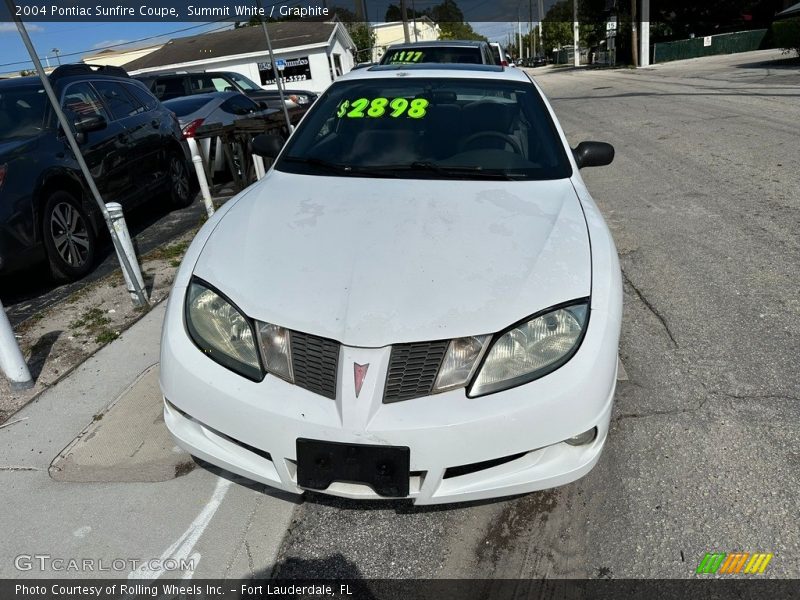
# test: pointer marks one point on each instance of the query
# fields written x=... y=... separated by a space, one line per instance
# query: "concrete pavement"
x=228 y=527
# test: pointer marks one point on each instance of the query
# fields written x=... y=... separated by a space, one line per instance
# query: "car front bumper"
x=251 y=428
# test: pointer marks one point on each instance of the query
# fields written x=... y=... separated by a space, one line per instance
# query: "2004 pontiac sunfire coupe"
x=420 y=300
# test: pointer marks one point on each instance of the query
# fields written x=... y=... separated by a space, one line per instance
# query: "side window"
x=80 y=99
x=239 y=105
x=143 y=96
x=166 y=88
x=202 y=83
x=223 y=85
x=118 y=102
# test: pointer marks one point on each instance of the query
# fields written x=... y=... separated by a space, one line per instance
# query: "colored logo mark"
x=734 y=563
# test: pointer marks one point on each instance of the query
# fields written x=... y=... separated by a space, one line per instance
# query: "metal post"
x=644 y=35
x=404 y=16
x=576 y=34
x=76 y=150
x=197 y=161
x=118 y=219
x=12 y=363
x=275 y=72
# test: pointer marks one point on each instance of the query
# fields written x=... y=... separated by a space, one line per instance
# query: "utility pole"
x=634 y=40
x=644 y=35
x=576 y=31
x=404 y=16
x=530 y=28
x=519 y=35
x=540 y=13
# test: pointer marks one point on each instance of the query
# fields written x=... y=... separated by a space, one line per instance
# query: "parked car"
x=222 y=108
x=420 y=300
x=441 y=51
x=500 y=56
x=131 y=143
x=216 y=107
x=167 y=86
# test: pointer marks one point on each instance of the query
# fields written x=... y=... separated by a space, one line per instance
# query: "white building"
x=386 y=34
x=315 y=54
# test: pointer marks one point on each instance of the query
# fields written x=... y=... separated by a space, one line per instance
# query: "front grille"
x=413 y=369
x=315 y=362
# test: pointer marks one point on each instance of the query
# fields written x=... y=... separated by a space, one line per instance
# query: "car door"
x=143 y=137
x=105 y=151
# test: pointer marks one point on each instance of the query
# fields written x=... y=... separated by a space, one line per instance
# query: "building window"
x=297 y=69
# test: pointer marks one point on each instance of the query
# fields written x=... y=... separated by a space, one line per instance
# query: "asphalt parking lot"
x=704 y=203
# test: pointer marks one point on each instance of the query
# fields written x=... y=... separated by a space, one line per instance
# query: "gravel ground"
x=703 y=199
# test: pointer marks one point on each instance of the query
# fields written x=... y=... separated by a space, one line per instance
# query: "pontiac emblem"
x=359 y=374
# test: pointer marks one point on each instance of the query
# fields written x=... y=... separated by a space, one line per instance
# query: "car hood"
x=374 y=262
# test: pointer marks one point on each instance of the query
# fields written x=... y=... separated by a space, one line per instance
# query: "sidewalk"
x=230 y=527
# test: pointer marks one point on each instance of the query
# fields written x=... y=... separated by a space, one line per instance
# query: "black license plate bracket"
x=384 y=468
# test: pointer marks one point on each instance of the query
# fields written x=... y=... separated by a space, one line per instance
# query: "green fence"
x=726 y=43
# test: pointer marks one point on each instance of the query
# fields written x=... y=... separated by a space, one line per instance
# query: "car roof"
x=438 y=70
x=19 y=82
x=445 y=43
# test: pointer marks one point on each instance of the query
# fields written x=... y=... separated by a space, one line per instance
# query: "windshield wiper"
x=473 y=172
x=318 y=162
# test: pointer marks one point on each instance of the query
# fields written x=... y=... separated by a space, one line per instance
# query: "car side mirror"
x=263 y=105
x=593 y=154
x=267 y=145
x=89 y=123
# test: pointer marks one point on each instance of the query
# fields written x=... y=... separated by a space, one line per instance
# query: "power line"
x=144 y=39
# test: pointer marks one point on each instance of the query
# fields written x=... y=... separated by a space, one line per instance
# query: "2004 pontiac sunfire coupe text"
x=420 y=300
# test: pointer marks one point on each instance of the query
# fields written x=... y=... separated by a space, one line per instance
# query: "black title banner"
x=745 y=588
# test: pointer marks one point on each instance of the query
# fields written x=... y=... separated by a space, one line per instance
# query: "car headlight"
x=460 y=361
x=532 y=349
x=220 y=330
x=276 y=348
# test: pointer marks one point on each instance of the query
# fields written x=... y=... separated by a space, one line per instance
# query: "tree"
x=362 y=36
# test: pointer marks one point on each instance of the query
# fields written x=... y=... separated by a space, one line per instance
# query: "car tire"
x=180 y=183
x=69 y=239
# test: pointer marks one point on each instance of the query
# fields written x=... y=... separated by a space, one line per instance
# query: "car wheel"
x=180 y=186
x=68 y=237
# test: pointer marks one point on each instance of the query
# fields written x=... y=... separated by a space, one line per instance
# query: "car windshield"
x=187 y=105
x=244 y=82
x=21 y=111
x=428 y=128
x=433 y=54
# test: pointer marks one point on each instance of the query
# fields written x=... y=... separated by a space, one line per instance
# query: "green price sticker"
x=380 y=107
x=407 y=56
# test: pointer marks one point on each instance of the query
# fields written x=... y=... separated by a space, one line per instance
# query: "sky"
x=84 y=38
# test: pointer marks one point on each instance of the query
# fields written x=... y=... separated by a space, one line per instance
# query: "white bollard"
x=12 y=363
x=118 y=222
x=197 y=160
x=258 y=162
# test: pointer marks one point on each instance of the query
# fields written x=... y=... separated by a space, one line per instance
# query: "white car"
x=420 y=299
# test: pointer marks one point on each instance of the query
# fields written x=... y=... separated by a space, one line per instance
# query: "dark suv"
x=167 y=86
x=131 y=143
